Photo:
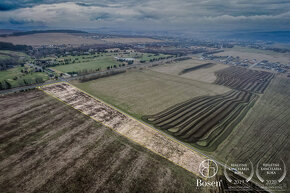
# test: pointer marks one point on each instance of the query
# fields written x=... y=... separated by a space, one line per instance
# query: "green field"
x=146 y=56
x=4 y=56
x=86 y=62
x=19 y=54
x=99 y=61
x=147 y=92
x=11 y=74
x=7 y=54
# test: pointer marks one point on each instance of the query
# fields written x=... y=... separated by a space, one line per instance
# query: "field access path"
x=127 y=126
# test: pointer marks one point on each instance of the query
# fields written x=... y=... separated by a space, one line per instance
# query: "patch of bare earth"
x=127 y=126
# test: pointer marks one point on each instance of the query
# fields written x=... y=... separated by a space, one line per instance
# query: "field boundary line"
x=200 y=176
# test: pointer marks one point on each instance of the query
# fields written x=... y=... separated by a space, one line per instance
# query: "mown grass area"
x=147 y=92
x=19 y=54
x=7 y=54
x=16 y=78
x=86 y=62
x=146 y=56
x=101 y=61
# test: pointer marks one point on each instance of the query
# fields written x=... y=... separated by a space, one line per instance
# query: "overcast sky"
x=150 y=15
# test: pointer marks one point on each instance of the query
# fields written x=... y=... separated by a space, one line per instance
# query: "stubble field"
x=264 y=133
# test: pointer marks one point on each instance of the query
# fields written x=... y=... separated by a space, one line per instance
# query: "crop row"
x=201 y=121
x=244 y=79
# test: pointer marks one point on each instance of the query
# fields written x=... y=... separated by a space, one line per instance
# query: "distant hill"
x=41 y=31
x=274 y=36
x=7 y=31
x=10 y=46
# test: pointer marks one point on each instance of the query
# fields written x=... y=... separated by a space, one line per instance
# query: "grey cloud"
x=20 y=21
x=161 y=14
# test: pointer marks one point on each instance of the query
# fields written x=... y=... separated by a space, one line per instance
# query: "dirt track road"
x=126 y=126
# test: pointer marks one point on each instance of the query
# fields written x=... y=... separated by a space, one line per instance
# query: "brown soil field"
x=244 y=79
x=204 y=121
x=131 y=40
x=127 y=126
x=201 y=74
x=47 y=146
x=50 y=39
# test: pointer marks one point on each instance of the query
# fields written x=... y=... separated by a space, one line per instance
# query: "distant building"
x=124 y=59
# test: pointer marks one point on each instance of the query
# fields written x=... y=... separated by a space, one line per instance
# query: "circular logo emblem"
x=208 y=168
x=245 y=169
x=272 y=172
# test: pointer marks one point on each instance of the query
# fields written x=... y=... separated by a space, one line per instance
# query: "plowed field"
x=47 y=146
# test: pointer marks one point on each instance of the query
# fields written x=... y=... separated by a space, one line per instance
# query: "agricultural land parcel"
x=205 y=74
x=203 y=121
x=145 y=56
x=50 y=39
x=10 y=74
x=14 y=76
x=47 y=146
x=86 y=62
x=127 y=126
x=6 y=54
x=264 y=133
x=39 y=39
x=131 y=40
x=147 y=92
x=100 y=60
x=259 y=55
